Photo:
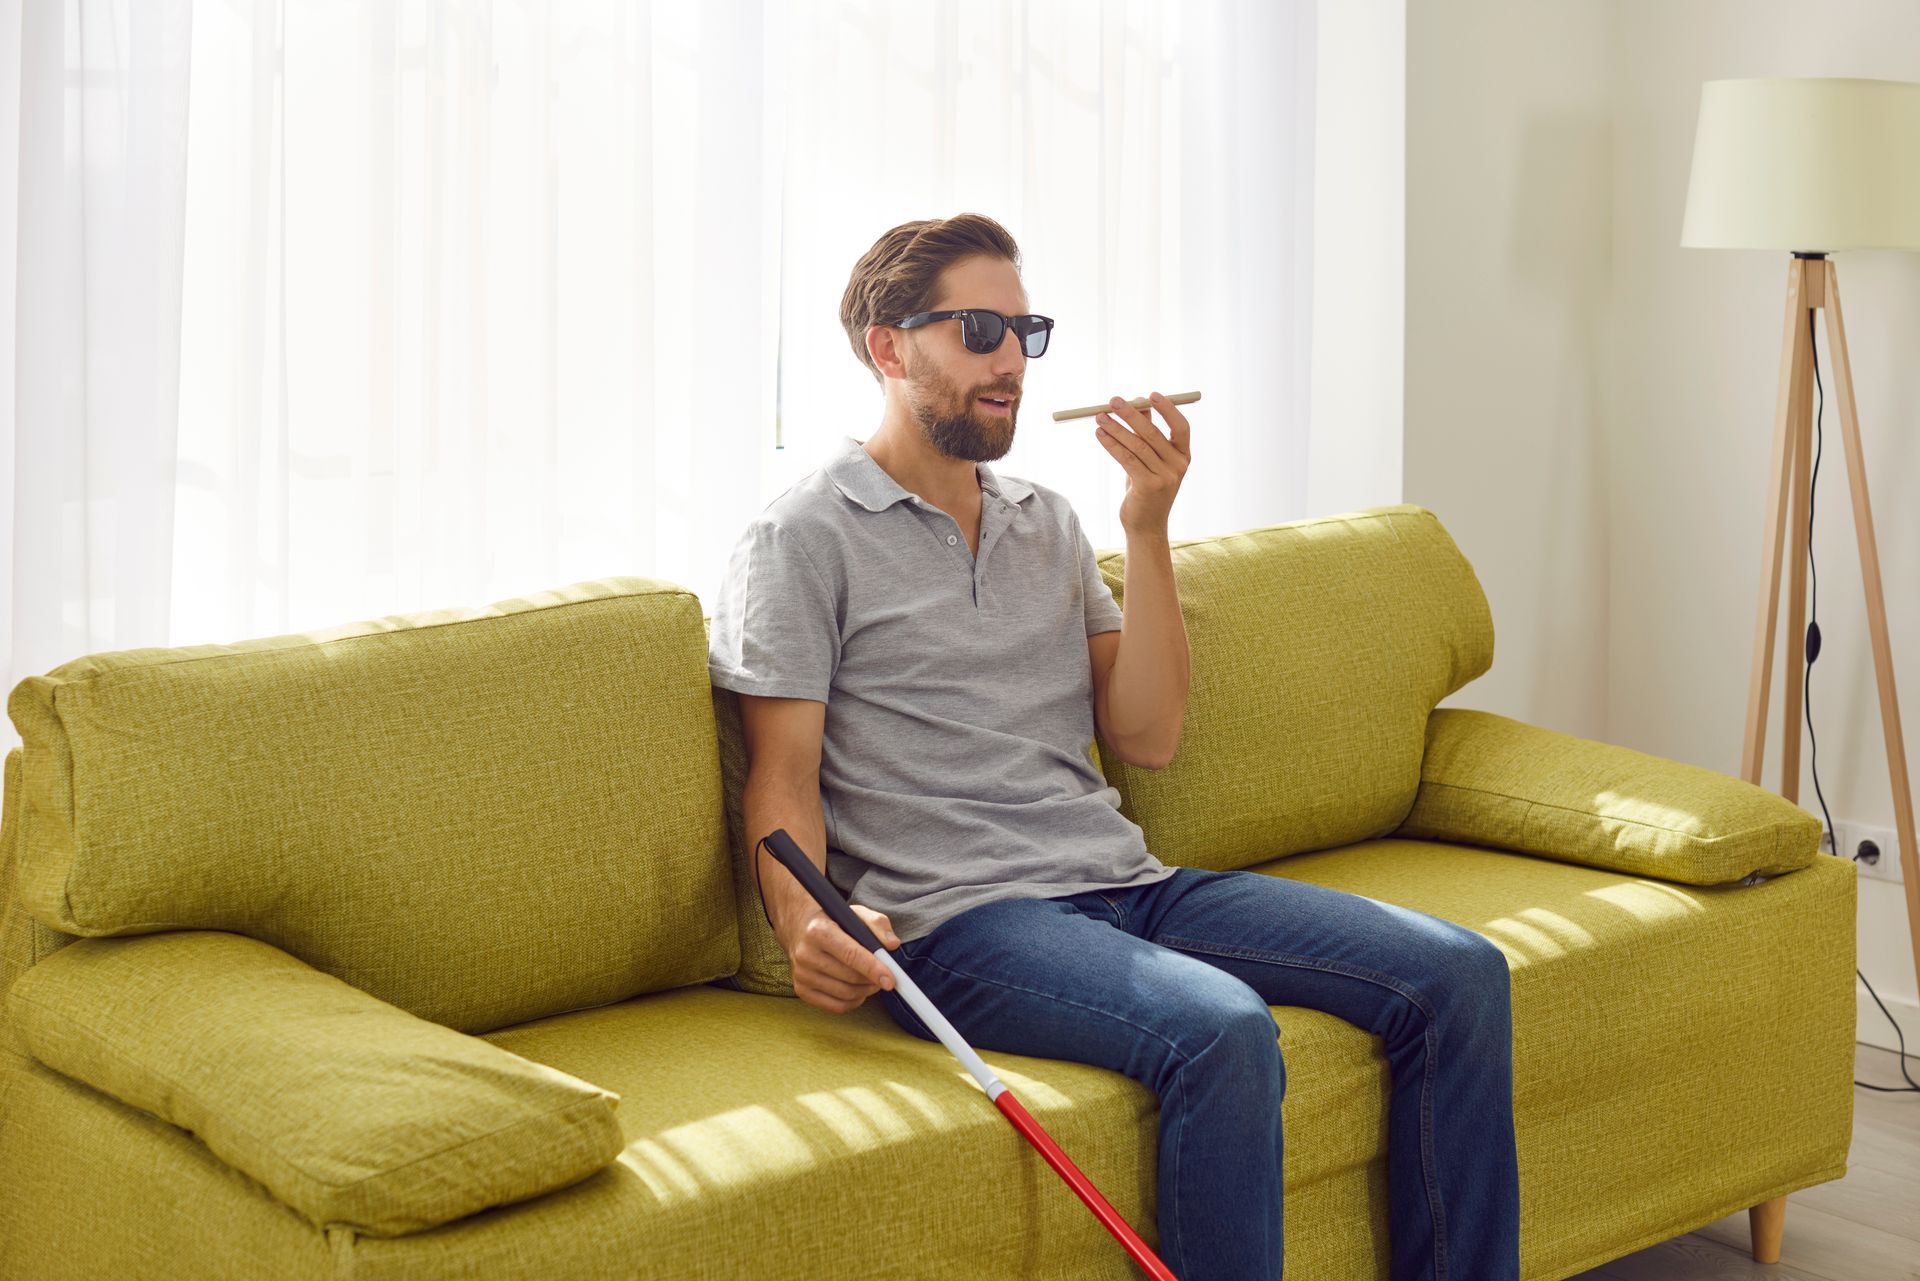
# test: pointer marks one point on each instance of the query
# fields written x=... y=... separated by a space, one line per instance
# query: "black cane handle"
x=831 y=900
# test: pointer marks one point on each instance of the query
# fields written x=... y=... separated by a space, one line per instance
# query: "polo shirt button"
x=951 y=540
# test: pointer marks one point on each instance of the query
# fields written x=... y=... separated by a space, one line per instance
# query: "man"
x=924 y=650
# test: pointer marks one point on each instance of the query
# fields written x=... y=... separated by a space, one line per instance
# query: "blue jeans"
x=1170 y=984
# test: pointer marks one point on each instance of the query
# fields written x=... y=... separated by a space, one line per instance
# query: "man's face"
x=945 y=382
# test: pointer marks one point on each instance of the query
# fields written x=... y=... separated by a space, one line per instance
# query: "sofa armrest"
x=1491 y=780
x=348 y=1109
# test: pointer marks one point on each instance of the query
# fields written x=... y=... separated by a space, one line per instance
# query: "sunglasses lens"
x=983 y=332
x=1033 y=332
x=1033 y=335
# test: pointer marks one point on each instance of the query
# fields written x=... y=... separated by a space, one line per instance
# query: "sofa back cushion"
x=481 y=816
x=1318 y=649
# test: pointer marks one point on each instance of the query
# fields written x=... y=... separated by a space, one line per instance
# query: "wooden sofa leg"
x=1766 y=1222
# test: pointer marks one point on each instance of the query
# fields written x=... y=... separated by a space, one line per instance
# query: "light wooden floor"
x=1865 y=1227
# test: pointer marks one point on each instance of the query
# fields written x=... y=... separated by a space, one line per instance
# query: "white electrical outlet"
x=1875 y=851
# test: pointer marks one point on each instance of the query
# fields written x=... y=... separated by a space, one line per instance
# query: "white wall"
x=1590 y=407
x=1359 y=268
x=1508 y=111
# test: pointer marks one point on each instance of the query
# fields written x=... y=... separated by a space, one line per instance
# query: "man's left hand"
x=1154 y=461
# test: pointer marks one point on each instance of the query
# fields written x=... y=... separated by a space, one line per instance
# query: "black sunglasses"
x=982 y=330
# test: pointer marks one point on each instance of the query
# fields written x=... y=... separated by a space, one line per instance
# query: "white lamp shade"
x=1806 y=165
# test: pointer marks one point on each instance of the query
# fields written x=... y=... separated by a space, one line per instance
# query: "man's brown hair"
x=898 y=276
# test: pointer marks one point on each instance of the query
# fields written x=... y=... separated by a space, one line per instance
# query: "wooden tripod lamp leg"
x=1876 y=611
x=1800 y=451
x=1794 y=386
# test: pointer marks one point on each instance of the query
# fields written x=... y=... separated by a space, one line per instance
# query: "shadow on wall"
x=1561 y=251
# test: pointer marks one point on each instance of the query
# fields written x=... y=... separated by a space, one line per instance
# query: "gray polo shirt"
x=955 y=766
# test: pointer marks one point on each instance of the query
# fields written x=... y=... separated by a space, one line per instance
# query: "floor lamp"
x=1809 y=166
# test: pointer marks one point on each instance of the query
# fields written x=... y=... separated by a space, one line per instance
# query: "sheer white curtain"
x=329 y=310
x=94 y=195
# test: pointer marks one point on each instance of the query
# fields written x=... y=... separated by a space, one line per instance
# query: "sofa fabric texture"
x=24 y=939
x=481 y=816
x=776 y=1139
x=1492 y=780
x=348 y=1109
x=1318 y=649
x=519 y=827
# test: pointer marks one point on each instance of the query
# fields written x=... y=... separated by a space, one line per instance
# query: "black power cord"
x=1806 y=689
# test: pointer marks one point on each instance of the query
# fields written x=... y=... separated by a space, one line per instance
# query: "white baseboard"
x=1872 y=1028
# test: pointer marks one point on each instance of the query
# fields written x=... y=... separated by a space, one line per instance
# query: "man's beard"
x=957 y=427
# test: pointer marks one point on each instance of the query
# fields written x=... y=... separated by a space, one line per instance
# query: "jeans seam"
x=1434 y=1211
x=1179 y=1141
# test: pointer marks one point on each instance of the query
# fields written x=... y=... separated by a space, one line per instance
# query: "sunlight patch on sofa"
x=666 y=1178
x=929 y=1111
x=1542 y=933
x=1626 y=807
x=1649 y=900
x=729 y=1148
x=859 y=1116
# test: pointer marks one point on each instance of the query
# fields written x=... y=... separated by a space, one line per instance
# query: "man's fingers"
x=865 y=964
x=872 y=969
x=848 y=962
x=841 y=991
x=881 y=926
x=838 y=955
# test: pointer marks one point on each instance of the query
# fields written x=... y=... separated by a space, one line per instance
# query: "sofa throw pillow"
x=1492 y=780
x=348 y=1109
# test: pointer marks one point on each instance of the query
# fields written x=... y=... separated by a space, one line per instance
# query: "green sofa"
x=426 y=947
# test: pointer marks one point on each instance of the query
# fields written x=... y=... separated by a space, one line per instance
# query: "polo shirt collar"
x=866 y=482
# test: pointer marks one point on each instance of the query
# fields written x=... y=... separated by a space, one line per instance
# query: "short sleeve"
x=1103 y=611
x=776 y=631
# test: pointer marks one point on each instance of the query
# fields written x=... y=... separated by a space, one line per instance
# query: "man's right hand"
x=830 y=970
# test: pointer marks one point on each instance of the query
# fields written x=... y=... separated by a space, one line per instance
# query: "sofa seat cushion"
x=771 y=1139
x=1680 y=1030
x=1661 y=1031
